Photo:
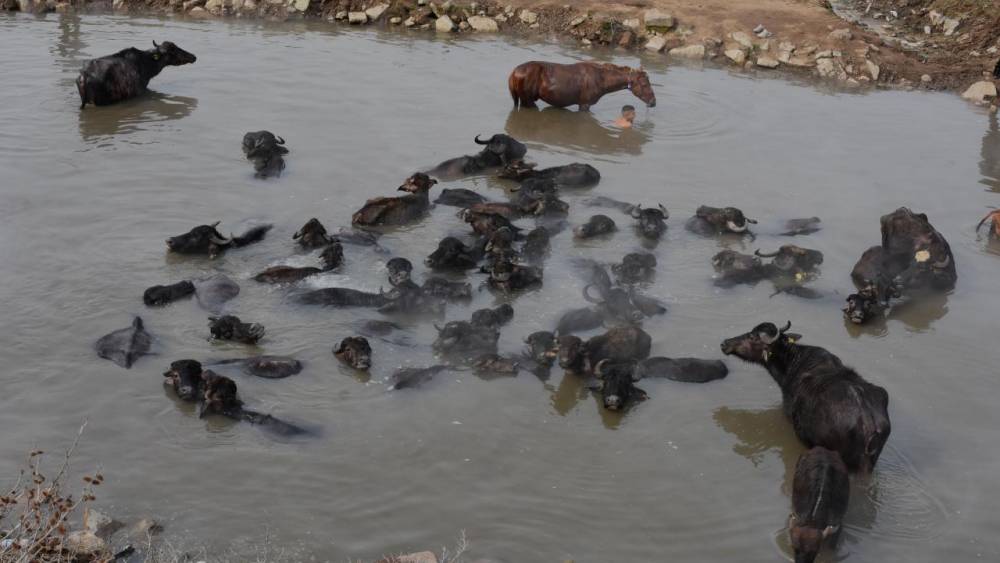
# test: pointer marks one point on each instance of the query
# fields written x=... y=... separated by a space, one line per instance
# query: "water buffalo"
x=604 y=201
x=805 y=226
x=359 y=238
x=579 y=320
x=409 y=298
x=485 y=223
x=397 y=210
x=219 y=397
x=542 y=347
x=993 y=217
x=466 y=339
x=576 y=175
x=635 y=267
x=230 y=327
x=493 y=364
x=714 y=220
x=343 y=297
x=735 y=268
x=791 y=261
x=332 y=257
x=313 y=235
x=828 y=403
x=874 y=284
x=184 y=377
x=507 y=276
x=459 y=197
x=267 y=367
x=500 y=150
x=164 y=294
x=399 y=271
x=496 y=317
x=266 y=151
x=686 y=370
x=821 y=490
x=126 y=74
x=126 y=345
x=539 y=202
x=413 y=377
x=206 y=239
x=453 y=254
x=916 y=254
x=651 y=222
x=616 y=384
x=507 y=210
x=355 y=352
x=580 y=84
x=596 y=226
x=536 y=245
x=619 y=344
x=445 y=289
x=214 y=292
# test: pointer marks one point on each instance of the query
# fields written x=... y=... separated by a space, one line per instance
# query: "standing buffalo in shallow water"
x=125 y=346
x=126 y=74
x=580 y=84
x=828 y=403
x=206 y=239
x=500 y=150
x=397 y=210
x=714 y=220
x=916 y=254
x=821 y=490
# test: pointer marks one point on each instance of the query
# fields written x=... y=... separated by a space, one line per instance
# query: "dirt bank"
x=933 y=44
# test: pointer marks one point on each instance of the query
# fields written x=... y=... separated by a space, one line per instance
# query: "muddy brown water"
x=531 y=470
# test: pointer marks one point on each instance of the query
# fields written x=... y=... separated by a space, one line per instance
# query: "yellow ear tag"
x=156 y=56
x=922 y=256
x=799 y=276
x=791 y=340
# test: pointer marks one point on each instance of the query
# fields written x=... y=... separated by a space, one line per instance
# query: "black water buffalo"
x=821 y=490
x=635 y=267
x=465 y=339
x=409 y=298
x=313 y=235
x=500 y=150
x=916 y=254
x=219 y=397
x=542 y=347
x=496 y=317
x=399 y=271
x=343 y=297
x=230 y=327
x=575 y=175
x=536 y=245
x=507 y=210
x=126 y=345
x=206 y=239
x=686 y=370
x=714 y=220
x=594 y=227
x=267 y=367
x=459 y=197
x=493 y=365
x=579 y=320
x=874 y=284
x=355 y=352
x=539 y=202
x=164 y=294
x=445 y=289
x=791 y=261
x=508 y=276
x=332 y=257
x=266 y=151
x=651 y=221
x=617 y=303
x=126 y=74
x=807 y=226
x=184 y=377
x=397 y=210
x=828 y=403
x=407 y=378
x=616 y=384
x=485 y=223
x=604 y=201
x=735 y=268
x=619 y=344
x=453 y=254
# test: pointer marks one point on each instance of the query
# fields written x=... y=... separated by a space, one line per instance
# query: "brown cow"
x=581 y=84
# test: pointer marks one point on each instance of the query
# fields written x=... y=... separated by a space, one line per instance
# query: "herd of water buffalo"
x=842 y=418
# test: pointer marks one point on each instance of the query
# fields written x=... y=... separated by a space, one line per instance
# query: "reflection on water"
x=138 y=114
x=917 y=313
x=989 y=165
x=575 y=130
x=761 y=433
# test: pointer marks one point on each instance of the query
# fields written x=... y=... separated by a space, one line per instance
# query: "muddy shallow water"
x=531 y=470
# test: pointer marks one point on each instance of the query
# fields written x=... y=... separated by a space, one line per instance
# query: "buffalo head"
x=355 y=352
x=203 y=239
x=506 y=148
x=220 y=395
x=417 y=183
x=617 y=384
x=312 y=234
x=542 y=347
x=399 y=271
x=184 y=376
x=652 y=221
x=168 y=54
x=755 y=346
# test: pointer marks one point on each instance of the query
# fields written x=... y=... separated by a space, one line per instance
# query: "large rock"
x=830 y=68
x=357 y=18
x=659 y=20
x=214 y=6
x=950 y=25
x=444 y=24
x=375 y=12
x=484 y=23
x=528 y=17
x=980 y=92
x=689 y=52
x=742 y=38
x=301 y=5
x=766 y=61
x=86 y=546
x=800 y=61
x=843 y=34
x=738 y=56
x=656 y=44
x=873 y=69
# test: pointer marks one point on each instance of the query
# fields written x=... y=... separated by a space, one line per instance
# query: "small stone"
x=659 y=20
x=444 y=24
x=409 y=22
x=631 y=23
x=992 y=50
x=927 y=30
x=375 y=12
x=586 y=42
x=843 y=34
x=807 y=50
x=528 y=17
x=464 y=26
x=577 y=21
x=100 y=524
x=214 y=6
x=357 y=18
x=981 y=91
x=395 y=20
x=936 y=17
x=742 y=38
x=656 y=44
x=800 y=61
x=483 y=23
x=950 y=25
x=85 y=545
x=767 y=62
x=873 y=70
x=738 y=56
x=824 y=55
x=830 y=68
x=689 y=52
x=926 y=79
x=341 y=15
x=301 y=5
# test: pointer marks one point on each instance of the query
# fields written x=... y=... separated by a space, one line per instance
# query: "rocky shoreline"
x=865 y=48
